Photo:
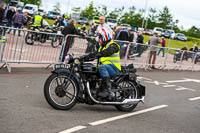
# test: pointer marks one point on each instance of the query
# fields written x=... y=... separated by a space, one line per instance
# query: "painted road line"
x=144 y=78
x=169 y=86
x=156 y=82
x=73 y=129
x=183 y=88
x=126 y=115
x=184 y=80
x=195 y=98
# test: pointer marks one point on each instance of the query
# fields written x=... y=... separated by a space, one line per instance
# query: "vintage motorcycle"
x=79 y=81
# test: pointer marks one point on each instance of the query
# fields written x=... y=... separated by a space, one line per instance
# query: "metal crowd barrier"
x=32 y=47
x=139 y=54
x=51 y=48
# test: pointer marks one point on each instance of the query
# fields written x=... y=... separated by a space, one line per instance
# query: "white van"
x=42 y=12
x=158 y=30
x=31 y=9
x=112 y=22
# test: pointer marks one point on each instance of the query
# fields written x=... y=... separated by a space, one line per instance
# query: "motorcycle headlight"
x=76 y=61
x=68 y=59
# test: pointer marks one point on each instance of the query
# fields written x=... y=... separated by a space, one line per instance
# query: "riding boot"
x=106 y=88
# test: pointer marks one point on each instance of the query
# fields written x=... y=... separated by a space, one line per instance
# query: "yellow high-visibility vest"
x=38 y=20
x=113 y=59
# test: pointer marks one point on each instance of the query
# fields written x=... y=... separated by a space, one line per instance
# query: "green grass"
x=173 y=43
x=50 y=21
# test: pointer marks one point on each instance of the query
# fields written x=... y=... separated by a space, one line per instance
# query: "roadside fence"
x=36 y=47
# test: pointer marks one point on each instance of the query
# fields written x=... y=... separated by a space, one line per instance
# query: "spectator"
x=103 y=25
x=139 y=41
x=84 y=29
x=9 y=17
x=18 y=20
x=122 y=35
x=92 y=29
x=38 y=20
x=27 y=18
x=195 y=49
x=153 y=41
x=59 y=22
x=163 y=47
x=69 y=29
x=2 y=11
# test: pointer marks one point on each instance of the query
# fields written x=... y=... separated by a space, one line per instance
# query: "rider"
x=38 y=20
x=108 y=60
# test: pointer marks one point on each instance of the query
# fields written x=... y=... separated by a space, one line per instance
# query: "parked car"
x=180 y=36
x=112 y=22
x=172 y=34
x=158 y=30
x=31 y=9
x=126 y=26
x=53 y=15
x=148 y=32
x=83 y=20
x=42 y=12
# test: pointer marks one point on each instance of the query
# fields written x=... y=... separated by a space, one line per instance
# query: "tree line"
x=154 y=18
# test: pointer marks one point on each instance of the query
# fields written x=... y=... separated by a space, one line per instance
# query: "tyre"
x=56 y=41
x=61 y=91
x=29 y=39
x=131 y=92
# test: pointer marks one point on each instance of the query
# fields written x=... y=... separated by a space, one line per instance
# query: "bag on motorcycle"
x=128 y=69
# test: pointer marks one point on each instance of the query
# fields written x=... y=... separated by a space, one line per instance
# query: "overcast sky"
x=186 y=11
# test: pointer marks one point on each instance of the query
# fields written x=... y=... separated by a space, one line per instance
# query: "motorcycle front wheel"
x=61 y=91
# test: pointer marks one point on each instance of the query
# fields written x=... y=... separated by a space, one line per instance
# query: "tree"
x=152 y=18
x=76 y=9
x=116 y=13
x=56 y=7
x=88 y=12
x=165 y=18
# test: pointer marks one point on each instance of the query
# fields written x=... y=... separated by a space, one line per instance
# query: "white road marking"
x=195 y=98
x=144 y=78
x=73 y=129
x=183 y=88
x=126 y=115
x=169 y=86
x=156 y=82
x=184 y=80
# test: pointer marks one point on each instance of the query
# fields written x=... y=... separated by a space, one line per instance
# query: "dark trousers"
x=17 y=26
x=9 y=24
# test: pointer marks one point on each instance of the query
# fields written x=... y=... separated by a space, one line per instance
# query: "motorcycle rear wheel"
x=128 y=107
x=63 y=95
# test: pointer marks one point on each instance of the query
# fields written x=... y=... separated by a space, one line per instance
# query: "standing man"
x=18 y=20
x=140 y=40
x=153 y=41
x=102 y=24
x=105 y=26
x=163 y=47
x=38 y=20
x=9 y=17
x=2 y=11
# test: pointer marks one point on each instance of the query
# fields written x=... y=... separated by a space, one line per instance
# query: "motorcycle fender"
x=64 y=70
x=141 y=89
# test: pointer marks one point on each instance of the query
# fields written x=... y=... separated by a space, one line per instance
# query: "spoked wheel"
x=29 y=38
x=56 y=41
x=129 y=92
x=61 y=91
